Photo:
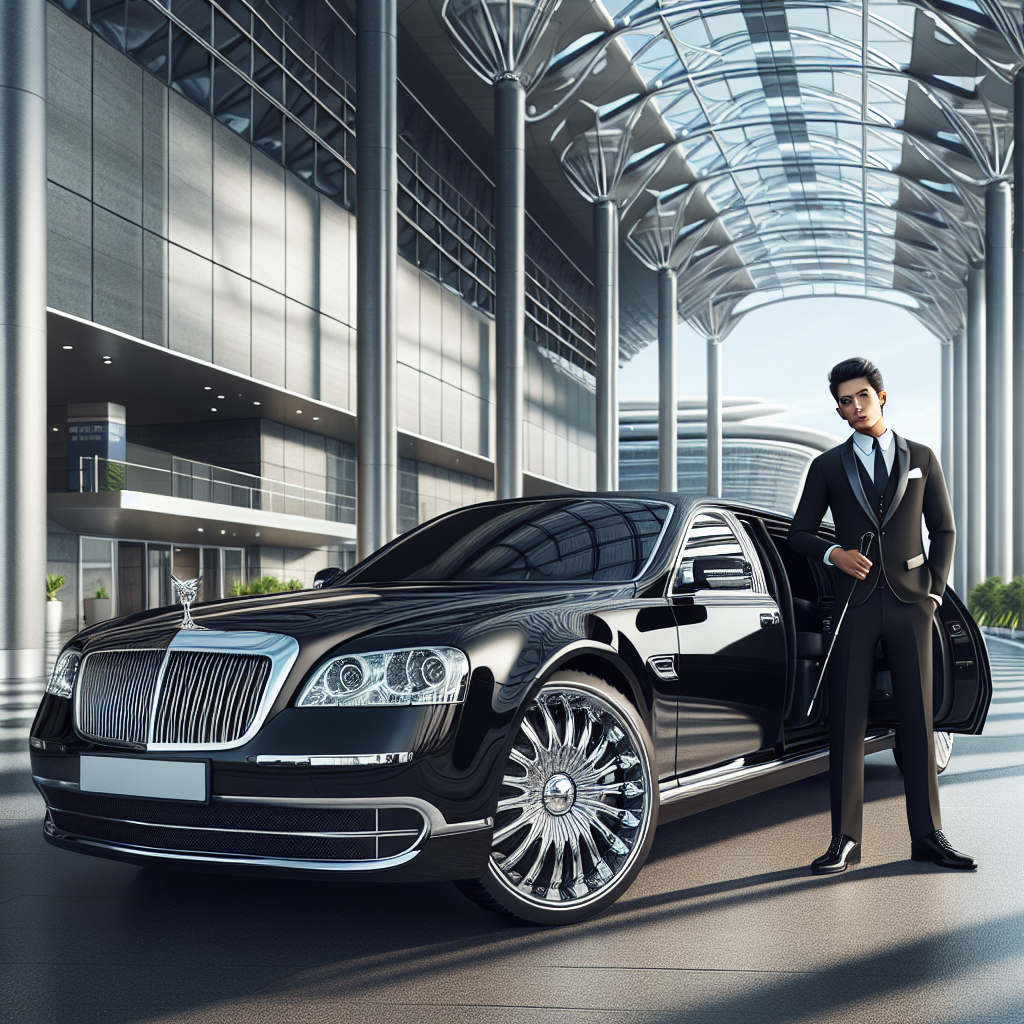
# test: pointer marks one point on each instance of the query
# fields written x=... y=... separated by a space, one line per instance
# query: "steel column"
x=668 y=432
x=23 y=328
x=959 y=481
x=975 y=539
x=714 y=417
x=999 y=382
x=510 y=282
x=946 y=410
x=1018 y=325
x=606 y=342
x=376 y=255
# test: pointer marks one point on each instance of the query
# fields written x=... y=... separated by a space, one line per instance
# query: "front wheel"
x=943 y=751
x=577 y=809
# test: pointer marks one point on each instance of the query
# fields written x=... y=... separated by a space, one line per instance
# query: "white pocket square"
x=915 y=473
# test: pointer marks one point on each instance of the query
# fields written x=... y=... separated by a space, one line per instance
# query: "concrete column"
x=23 y=329
x=376 y=256
x=999 y=382
x=959 y=482
x=668 y=433
x=946 y=407
x=714 y=417
x=510 y=282
x=975 y=539
x=1018 y=325
x=606 y=331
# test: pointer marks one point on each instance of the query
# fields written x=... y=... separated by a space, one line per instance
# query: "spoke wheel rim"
x=563 y=846
x=943 y=749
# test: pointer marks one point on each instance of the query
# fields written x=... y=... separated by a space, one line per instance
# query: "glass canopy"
x=802 y=148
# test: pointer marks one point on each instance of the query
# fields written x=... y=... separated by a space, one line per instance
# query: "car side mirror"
x=325 y=577
x=715 y=572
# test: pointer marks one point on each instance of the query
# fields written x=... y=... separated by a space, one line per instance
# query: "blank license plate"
x=136 y=776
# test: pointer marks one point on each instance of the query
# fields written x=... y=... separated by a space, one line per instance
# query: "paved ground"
x=724 y=924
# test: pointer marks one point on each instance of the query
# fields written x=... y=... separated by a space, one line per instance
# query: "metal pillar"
x=606 y=331
x=999 y=382
x=975 y=539
x=1018 y=325
x=376 y=255
x=946 y=410
x=714 y=417
x=668 y=433
x=510 y=282
x=23 y=329
x=959 y=481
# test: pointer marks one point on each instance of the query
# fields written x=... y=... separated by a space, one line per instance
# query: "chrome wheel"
x=577 y=809
x=943 y=751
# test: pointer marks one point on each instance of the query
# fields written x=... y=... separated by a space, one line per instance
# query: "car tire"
x=943 y=751
x=577 y=809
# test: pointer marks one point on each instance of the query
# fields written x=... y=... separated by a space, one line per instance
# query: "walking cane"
x=865 y=546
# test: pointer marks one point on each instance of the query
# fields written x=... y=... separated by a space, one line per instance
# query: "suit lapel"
x=903 y=462
x=850 y=465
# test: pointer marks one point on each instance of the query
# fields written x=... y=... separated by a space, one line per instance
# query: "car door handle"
x=769 y=619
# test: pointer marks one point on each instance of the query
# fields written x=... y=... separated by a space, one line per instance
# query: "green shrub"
x=995 y=603
x=264 y=585
x=53 y=584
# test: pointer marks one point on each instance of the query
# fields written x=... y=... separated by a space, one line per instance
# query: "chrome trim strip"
x=261 y=862
x=438 y=825
x=330 y=760
x=664 y=666
x=718 y=778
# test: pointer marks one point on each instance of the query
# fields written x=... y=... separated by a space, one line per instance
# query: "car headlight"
x=62 y=679
x=419 y=675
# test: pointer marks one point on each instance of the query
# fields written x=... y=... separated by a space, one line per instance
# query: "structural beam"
x=714 y=417
x=510 y=282
x=975 y=539
x=668 y=438
x=1018 y=325
x=23 y=329
x=946 y=407
x=999 y=382
x=606 y=332
x=958 y=483
x=376 y=256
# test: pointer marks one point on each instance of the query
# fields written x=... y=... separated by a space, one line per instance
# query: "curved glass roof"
x=769 y=150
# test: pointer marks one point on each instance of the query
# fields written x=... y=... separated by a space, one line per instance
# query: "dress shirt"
x=864 y=449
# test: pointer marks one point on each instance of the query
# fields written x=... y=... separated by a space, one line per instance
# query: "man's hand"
x=852 y=562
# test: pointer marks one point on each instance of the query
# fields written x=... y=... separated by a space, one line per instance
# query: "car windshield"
x=606 y=541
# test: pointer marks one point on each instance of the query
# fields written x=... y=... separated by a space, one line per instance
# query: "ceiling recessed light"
x=316 y=417
x=298 y=411
x=207 y=389
x=213 y=408
x=255 y=403
x=257 y=533
x=55 y=430
x=67 y=348
x=222 y=532
x=220 y=396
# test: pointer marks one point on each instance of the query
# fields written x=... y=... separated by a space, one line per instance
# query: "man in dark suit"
x=882 y=483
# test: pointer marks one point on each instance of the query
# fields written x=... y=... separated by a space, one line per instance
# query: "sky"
x=783 y=353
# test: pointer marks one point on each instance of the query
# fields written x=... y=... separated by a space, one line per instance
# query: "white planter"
x=54 y=614
x=97 y=609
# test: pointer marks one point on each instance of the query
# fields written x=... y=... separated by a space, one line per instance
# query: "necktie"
x=881 y=473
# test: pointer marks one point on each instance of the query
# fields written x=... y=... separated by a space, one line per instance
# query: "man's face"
x=861 y=406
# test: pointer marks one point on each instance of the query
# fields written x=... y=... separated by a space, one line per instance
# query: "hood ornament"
x=186 y=591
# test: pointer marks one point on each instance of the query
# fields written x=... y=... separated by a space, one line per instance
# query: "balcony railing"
x=201 y=481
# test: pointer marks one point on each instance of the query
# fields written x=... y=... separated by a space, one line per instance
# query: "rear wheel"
x=943 y=751
x=577 y=809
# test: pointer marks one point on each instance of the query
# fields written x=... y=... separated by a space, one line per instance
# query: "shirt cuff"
x=936 y=599
x=826 y=559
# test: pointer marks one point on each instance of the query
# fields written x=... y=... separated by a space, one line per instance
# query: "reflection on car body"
x=510 y=696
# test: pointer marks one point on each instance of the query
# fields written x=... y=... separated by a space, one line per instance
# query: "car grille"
x=236 y=829
x=201 y=698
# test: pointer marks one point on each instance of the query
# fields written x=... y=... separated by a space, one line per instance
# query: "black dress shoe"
x=841 y=851
x=935 y=847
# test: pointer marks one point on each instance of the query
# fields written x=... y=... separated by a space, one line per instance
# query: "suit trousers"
x=906 y=634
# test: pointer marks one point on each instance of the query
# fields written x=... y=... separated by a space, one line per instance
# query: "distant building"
x=762 y=463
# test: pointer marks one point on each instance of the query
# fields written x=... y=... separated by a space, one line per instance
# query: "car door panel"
x=655 y=639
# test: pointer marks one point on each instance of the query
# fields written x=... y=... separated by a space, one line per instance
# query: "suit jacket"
x=898 y=552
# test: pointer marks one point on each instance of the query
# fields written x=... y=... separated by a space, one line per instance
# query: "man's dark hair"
x=851 y=369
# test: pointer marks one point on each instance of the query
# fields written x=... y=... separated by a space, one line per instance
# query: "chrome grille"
x=115 y=695
x=207 y=697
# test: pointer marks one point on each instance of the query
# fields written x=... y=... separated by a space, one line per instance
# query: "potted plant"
x=54 y=608
x=98 y=608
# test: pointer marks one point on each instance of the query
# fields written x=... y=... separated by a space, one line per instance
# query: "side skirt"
x=691 y=795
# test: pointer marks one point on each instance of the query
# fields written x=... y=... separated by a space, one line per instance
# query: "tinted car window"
x=583 y=539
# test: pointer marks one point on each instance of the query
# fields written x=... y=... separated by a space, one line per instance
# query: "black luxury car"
x=510 y=696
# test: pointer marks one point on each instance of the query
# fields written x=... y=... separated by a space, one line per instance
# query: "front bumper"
x=383 y=838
